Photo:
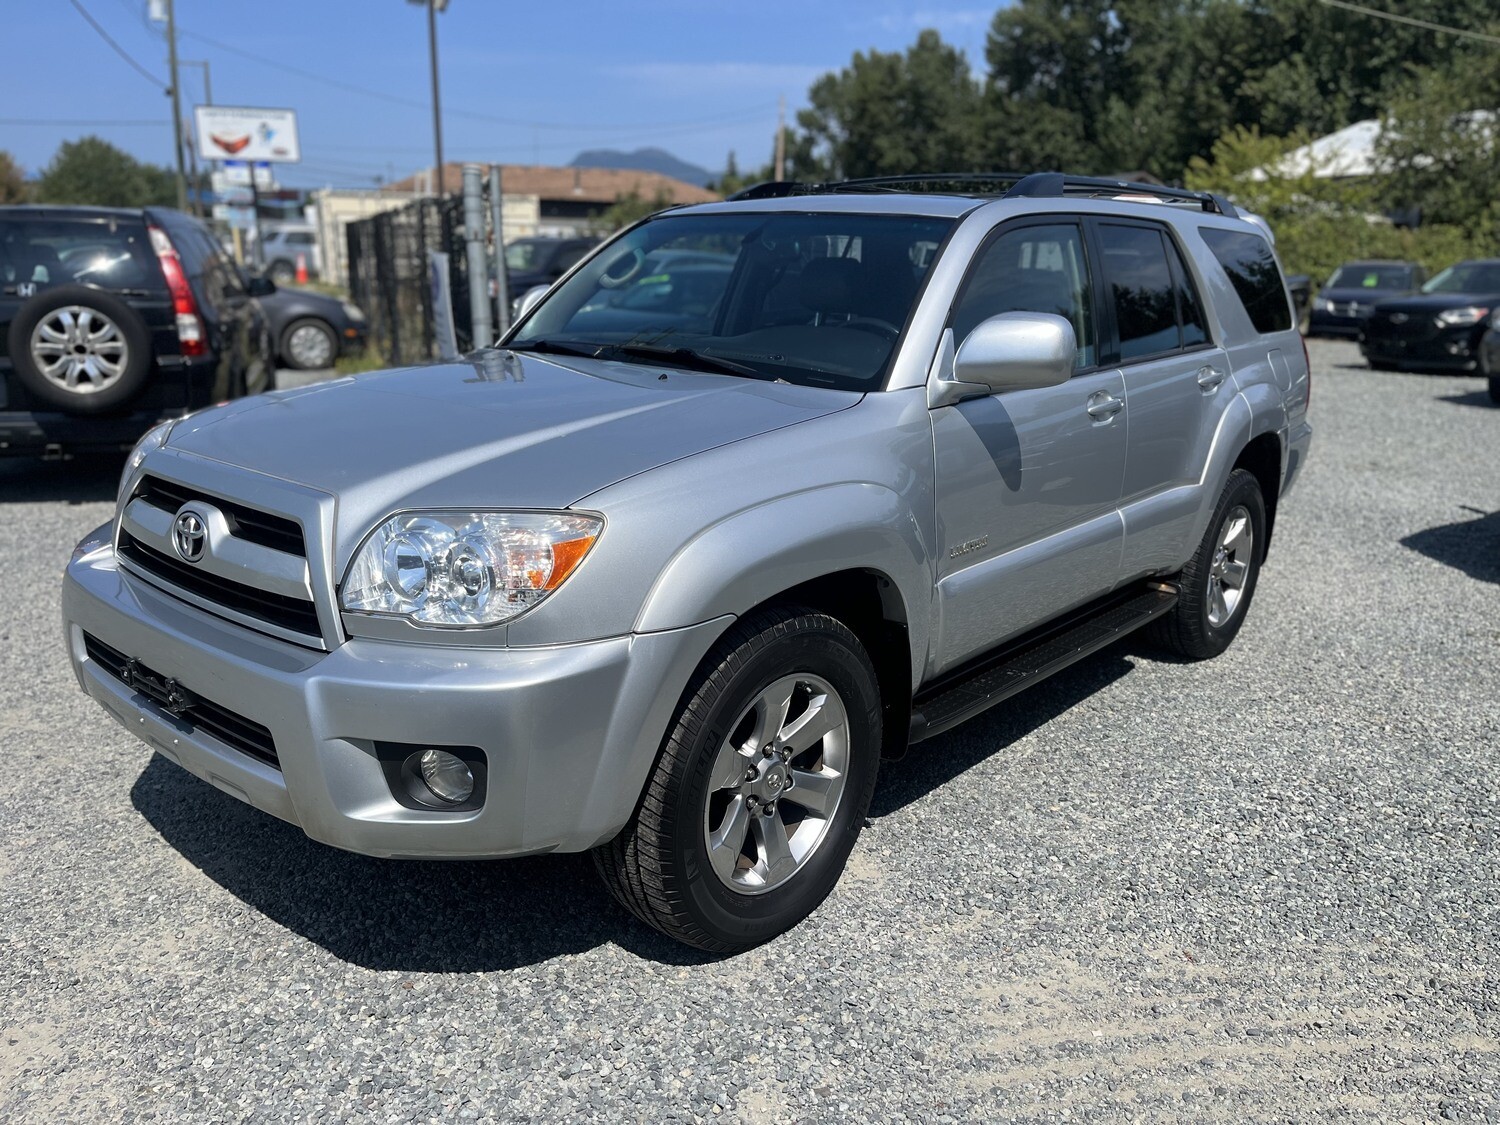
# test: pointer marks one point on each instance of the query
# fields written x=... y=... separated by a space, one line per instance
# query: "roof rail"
x=1002 y=185
x=1051 y=185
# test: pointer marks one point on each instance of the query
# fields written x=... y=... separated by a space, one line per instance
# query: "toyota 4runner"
x=663 y=577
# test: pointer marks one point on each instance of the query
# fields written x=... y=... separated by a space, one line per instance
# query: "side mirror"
x=530 y=299
x=259 y=286
x=1014 y=351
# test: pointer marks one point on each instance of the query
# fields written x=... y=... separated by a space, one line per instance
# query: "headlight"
x=1322 y=304
x=154 y=438
x=456 y=569
x=1457 y=318
x=353 y=312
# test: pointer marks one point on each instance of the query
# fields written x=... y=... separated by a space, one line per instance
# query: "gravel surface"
x=1261 y=888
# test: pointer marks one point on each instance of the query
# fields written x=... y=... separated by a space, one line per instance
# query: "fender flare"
x=751 y=556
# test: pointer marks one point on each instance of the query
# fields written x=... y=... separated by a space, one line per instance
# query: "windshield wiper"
x=557 y=347
x=685 y=357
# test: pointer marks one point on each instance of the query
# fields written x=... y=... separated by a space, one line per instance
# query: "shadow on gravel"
x=382 y=914
x=1473 y=398
x=930 y=765
x=1472 y=546
x=84 y=480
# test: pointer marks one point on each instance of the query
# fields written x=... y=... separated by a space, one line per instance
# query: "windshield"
x=1466 y=277
x=815 y=299
x=1357 y=275
x=527 y=253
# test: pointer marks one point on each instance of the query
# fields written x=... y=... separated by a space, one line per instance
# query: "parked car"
x=1489 y=356
x=530 y=262
x=668 y=593
x=311 y=330
x=1350 y=293
x=282 y=246
x=1439 y=328
x=113 y=319
x=681 y=289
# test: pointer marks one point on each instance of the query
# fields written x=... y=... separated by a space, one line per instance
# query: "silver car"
x=666 y=586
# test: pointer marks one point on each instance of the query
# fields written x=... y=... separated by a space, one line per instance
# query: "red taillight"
x=189 y=323
x=1306 y=363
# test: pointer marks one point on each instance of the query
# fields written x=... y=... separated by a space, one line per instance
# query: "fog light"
x=447 y=775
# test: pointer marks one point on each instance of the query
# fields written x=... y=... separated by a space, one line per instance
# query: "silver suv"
x=665 y=574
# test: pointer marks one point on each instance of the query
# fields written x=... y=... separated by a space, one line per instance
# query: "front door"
x=1028 y=481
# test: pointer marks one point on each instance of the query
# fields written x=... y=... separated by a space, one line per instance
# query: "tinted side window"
x=1140 y=288
x=1253 y=271
x=45 y=251
x=1031 y=269
x=1189 y=308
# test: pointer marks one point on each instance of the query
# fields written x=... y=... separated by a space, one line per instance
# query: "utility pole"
x=433 y=8
x=780 y=138
x=208 y=99
x=176 y=107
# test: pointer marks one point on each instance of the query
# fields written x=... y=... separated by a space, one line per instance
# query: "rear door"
x=1028 y=481
x=1176 y=380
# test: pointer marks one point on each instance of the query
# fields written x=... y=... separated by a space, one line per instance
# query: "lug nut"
x=751 y=803
x=770 y=809
x=766 y=752
x=750 y=774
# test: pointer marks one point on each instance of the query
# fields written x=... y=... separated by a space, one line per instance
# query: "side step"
x=993 y=679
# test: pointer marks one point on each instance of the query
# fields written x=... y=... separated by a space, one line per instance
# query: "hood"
x=501 y=430
x=1434 y=303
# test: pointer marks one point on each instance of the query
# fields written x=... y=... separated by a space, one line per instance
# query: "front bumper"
x=1321 y=323
x=569 y=732
x=1421 y=348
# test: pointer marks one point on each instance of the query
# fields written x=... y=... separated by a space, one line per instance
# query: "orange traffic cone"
x=301 y=269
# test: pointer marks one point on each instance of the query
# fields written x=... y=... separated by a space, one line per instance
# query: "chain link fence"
x=388 y=277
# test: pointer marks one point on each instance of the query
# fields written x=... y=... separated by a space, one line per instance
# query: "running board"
x=958 y=698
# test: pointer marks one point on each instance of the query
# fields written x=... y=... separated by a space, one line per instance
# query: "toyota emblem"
x=189 y=535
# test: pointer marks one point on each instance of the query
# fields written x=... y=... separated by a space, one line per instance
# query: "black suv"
x=112 y=319
x=530 y=262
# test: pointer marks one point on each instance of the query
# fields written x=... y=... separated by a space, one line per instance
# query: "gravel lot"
x=1263 y=888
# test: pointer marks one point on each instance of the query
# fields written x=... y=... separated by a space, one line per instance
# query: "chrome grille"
x=253 y=570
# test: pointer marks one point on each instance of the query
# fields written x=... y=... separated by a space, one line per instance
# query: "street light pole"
x=433 y=8
x=176 y=107
x=437 y=113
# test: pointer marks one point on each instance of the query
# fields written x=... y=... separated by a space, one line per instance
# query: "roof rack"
x=1011 y=185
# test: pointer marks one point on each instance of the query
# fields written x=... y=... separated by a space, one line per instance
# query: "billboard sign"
x=238 y=133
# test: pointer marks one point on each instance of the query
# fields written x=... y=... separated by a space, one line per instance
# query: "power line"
x=155 y=123
x=1412 y=21
x=412 y=103
x=119 y=50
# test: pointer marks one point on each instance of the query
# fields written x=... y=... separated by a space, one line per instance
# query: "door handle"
x=1107 y=406
x=1209 y=377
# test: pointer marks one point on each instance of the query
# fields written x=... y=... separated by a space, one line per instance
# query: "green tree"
x=1319 y=221
x=1439 y=149
x=888 y=114
x=631 y=208
x=12 y=183
x=93 y=171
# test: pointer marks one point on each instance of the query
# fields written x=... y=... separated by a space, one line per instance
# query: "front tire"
x=761 y=787
x=1218 y=582
x=309 y=344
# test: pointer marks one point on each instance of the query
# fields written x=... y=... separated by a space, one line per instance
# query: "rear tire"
x=752 y=808
x=79 y=349
x=1216 y=586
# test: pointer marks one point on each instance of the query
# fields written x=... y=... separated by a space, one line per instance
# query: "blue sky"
x=521 y=82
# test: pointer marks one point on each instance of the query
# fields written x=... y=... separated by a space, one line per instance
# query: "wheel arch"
x=1263 y=457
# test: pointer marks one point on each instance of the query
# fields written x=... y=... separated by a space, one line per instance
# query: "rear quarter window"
x=36 y=253
x=1252 y=269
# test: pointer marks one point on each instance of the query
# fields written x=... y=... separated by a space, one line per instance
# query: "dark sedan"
x=311 y=330
x=1350 y=294
x=1438 y=329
